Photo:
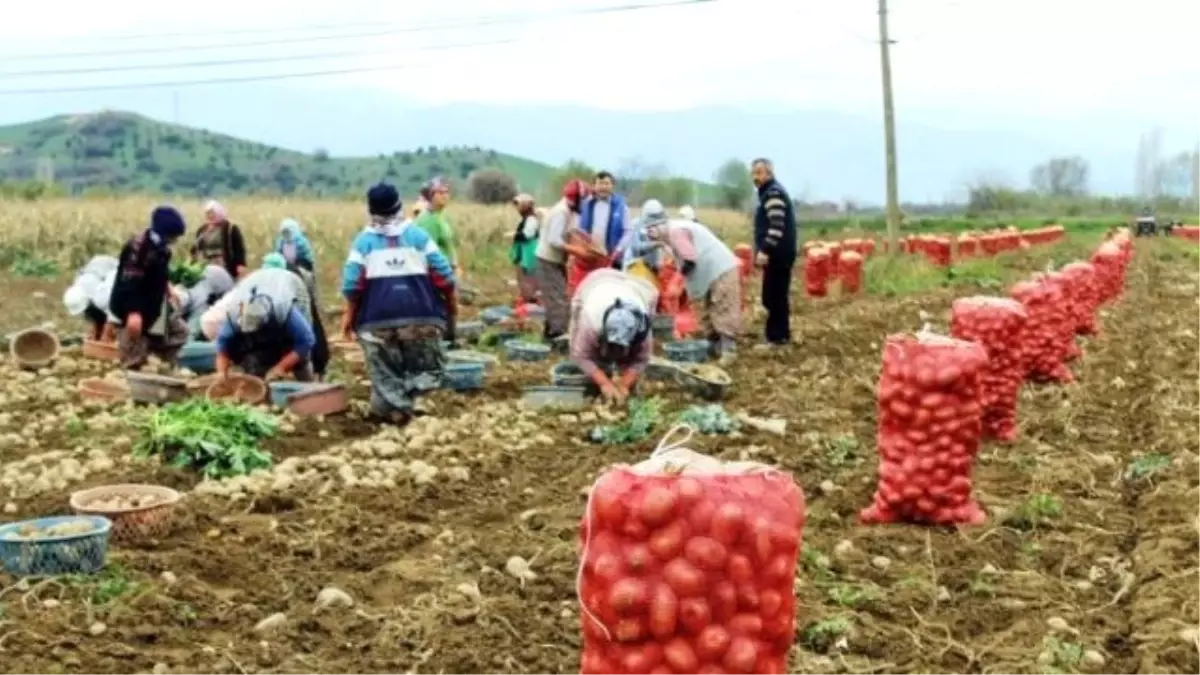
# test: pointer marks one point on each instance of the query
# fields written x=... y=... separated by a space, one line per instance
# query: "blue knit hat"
x=167 y=222
x=383 y=200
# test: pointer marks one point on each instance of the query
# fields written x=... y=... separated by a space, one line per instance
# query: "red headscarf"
x=574 y=192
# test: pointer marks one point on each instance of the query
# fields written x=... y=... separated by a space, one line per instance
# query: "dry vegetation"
x=1088 y=562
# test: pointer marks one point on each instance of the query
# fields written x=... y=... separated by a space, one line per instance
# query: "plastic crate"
x=82 y=553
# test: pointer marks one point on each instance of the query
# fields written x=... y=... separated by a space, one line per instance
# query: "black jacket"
x=775 y=222
x=141 y=284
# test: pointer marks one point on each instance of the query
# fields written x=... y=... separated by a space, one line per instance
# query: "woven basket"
x=100 y=350
x=197 y=386
x=130 y=523
x=238 y=387
x=81 y=553
x=102 y=390
x=34 y=348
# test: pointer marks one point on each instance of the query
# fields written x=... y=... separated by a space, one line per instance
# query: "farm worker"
x=610 y=330
x=433 y=222
x=524 y=248
x=710 y=272
x=266 y=335
x=141 y=297
x=775 y=240
x=88 y=295
x=320 y=352
x=603 y=219
x=688 y=213
x=293 y=245
x=399 y=290
x=220 y=242
x=195 y=301
x=552 y=251
x=636 y=246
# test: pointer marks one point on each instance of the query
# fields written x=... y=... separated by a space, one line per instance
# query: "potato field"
x=452 y=545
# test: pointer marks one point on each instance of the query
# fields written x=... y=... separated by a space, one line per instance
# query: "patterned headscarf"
x=254 y=313
x=621 y=326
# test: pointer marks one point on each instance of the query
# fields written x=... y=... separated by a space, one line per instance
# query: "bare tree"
x=1061 y=177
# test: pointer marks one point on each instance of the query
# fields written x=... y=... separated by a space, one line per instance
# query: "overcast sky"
x=1052 y=58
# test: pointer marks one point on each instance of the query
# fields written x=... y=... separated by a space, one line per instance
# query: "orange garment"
x=578 y=269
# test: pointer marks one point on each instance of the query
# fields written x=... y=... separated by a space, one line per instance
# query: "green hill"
x=124 y=152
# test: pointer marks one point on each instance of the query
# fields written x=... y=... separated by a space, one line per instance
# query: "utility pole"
x=889 y=131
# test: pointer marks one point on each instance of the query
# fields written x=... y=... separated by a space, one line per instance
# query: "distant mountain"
x=820 y=154
x=126 y=152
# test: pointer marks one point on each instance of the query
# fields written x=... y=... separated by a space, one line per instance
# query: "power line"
x=246 y=61
x=477 y=23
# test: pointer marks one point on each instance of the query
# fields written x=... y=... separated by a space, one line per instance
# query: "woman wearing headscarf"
x=399 y=290
x=551 y=252
x=268 y=333
x=636 y=245
x=710 y=272
x=320 y=352
x=88 y=295
x=610 y=330
x=433 y=221
x=294 y=245
x=195 y=301
x=219 y=242
x=524 y=247
x=141 y=300
x=688 y=213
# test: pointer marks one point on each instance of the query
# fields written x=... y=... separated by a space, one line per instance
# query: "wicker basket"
x=101 y=350
x=34 y=348
x=238 y=388
x=98 y=389
x=77 y=553
x=130 y=523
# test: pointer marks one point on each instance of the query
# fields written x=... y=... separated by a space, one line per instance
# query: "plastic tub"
x=318 y=399
x=468 y=356
x=494 y=315
x=663 y=327
x=463 y=376
x=469 y=330
x=73 y=553
x=523 y=350
x=151 y=388
x=98 y=389
x=198 y=357
x=567 y=374
x=150 y=519
x=687 y=351
x=280 y=391
x=563 y=398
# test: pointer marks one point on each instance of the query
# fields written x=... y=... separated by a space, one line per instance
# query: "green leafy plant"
x=1147 y=465
x=709 y=419
x=643 y=415
x=217 y=439
x=185 y=273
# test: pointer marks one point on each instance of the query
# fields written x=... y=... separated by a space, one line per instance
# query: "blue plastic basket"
x=687 y=351
x=494 y=315
x=82 y=553
x=280 y=391
x=468 y=330
x=463 y=376
x=523 y=350
x=663 y=327
x=567 y=374
x=199 y=357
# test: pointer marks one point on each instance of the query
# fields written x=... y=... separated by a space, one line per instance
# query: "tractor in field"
x=1147 y=224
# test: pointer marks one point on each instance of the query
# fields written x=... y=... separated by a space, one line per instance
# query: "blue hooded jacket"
x=616 y=220
x=398 y=276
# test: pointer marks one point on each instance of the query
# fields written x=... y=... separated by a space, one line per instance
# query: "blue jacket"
x=398 y=276
x=616 y=220
x=297 y=328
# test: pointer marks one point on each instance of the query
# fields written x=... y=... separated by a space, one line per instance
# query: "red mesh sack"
x=1108 y=263
x=688 y=566
x=850 y=272
x=1047 y=330
x=1085 y=284
x=930 y=423
x=578 y=269
x=998 y=325
x=817 y=267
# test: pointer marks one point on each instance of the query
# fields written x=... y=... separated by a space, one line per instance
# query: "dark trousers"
x=776 y=299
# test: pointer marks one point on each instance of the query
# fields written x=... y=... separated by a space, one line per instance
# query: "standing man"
x=603 y=217
x=775 y=242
